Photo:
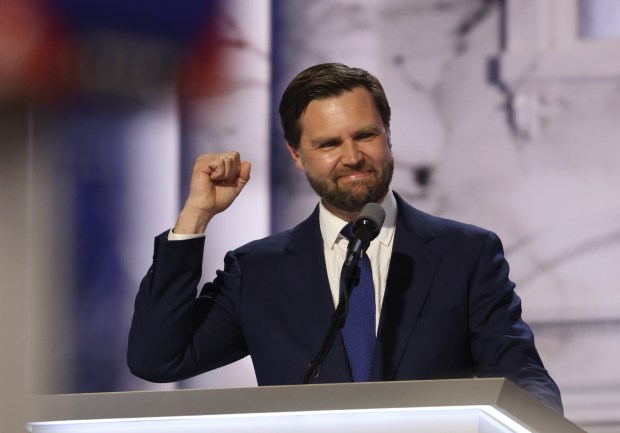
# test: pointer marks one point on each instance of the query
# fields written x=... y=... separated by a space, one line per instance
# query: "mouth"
x=354 y=176
x=361 y=177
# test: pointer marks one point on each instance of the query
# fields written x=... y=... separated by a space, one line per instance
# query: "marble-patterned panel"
x=394 y=41
x=552 y=197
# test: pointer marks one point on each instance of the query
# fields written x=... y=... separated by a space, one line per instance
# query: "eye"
x=365 y=135
x=328 y=144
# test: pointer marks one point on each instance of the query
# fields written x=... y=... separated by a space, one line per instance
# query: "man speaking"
x=427 y=298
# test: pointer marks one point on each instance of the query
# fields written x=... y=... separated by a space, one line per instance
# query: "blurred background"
x=505 y=115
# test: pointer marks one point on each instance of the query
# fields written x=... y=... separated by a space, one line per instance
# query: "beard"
x=356 y=194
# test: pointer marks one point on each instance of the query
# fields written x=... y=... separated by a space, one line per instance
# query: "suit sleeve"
x=502 y=344
x=174 y=334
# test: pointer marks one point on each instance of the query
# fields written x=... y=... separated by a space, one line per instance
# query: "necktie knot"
x=347 y=231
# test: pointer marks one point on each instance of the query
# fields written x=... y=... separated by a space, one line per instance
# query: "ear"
x=296 y=157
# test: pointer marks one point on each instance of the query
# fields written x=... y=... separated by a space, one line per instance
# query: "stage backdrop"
x=505 y=115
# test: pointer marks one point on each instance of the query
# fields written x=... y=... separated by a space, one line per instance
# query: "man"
x=443 y=304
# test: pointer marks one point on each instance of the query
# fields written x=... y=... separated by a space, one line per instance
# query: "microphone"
x=365 y=229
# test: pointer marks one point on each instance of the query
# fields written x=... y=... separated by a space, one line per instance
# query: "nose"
x=351 y=154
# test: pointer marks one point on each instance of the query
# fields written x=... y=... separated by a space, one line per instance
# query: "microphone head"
x=373 y=212
x=371 y=217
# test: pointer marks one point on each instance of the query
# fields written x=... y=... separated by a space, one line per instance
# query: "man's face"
x=345 y=151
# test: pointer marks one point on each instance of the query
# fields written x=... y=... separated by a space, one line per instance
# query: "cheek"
x=321 y=165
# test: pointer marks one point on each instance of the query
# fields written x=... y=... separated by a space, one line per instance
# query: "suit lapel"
x=305 y=278
x=412 y=269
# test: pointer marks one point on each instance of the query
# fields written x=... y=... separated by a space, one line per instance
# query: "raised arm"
x=163 y=341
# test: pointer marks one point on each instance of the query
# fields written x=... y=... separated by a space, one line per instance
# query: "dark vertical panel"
x=100 y=176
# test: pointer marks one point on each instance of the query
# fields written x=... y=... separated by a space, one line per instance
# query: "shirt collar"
x=331 y=225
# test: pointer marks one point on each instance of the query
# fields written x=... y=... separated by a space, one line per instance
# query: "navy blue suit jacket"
x=449 y=310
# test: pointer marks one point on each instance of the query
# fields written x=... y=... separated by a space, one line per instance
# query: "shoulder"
x=306 y=232
x=275 y=243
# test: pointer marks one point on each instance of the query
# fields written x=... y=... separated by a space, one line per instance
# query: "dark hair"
x=324 y=81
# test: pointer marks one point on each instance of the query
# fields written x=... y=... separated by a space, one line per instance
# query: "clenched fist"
x=217 y=180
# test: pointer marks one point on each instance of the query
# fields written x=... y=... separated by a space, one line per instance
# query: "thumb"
x=244 y=174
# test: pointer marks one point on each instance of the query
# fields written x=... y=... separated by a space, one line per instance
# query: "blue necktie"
x=359 y=328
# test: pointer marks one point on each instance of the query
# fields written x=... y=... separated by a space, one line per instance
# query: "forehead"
x=339 y=114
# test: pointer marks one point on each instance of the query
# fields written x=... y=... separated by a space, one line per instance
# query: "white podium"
x=468 y=405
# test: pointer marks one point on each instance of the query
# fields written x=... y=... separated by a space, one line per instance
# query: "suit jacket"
x=449 y=310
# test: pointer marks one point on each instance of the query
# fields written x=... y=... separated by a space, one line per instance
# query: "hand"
x=217 y=180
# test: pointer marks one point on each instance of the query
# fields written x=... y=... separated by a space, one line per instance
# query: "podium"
x=434 y=406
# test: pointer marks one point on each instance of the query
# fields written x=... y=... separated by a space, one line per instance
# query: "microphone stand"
x=349 y=278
